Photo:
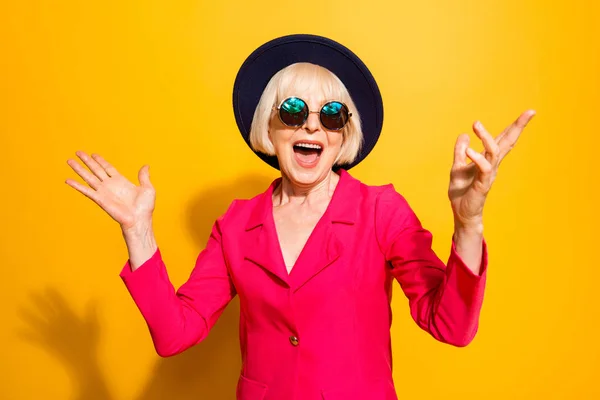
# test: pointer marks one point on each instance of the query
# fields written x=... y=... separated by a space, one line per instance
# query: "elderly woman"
x=313 y=257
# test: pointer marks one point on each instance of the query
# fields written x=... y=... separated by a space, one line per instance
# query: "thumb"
x=460 y=149
x=144 y=176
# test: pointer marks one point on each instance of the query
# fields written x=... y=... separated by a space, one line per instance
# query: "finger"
x=460 y=158
x=502 y=134
x=483 y=165
x=92 y=165
x=85 y=190
x=92 y=195
x=144 y=176
x=499 y=137
x=492 y=149
x=86 y=175
x=513 y=132
x=108 y=168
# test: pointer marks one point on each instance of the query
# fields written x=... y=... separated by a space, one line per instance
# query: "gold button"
x=294 y=340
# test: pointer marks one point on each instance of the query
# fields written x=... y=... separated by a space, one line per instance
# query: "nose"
x=312 y=123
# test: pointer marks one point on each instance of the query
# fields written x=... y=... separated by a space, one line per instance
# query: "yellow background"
x=150 y=82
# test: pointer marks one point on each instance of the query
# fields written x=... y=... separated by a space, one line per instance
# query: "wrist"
x=467 y=242
x=471 y=231
x=139 y=231
x=467 y=238
x=471 y=227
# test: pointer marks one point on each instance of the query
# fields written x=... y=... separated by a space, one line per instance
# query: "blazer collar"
x=265 y=251
x=342 y=207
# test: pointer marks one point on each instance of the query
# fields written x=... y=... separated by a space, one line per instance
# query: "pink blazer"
x=322 y=331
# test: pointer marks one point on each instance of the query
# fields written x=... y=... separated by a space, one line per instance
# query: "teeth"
x=308 y=145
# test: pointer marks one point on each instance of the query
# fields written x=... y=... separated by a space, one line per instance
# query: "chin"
x=304 y=176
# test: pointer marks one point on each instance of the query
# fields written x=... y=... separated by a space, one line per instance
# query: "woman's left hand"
x=470 y=183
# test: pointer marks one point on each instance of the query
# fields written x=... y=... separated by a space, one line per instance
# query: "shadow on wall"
x=208 y=370
x=54 y=326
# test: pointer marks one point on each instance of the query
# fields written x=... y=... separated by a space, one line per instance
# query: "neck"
x=290 y=192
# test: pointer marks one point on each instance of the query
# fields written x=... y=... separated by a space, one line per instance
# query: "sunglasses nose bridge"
x=312 y=123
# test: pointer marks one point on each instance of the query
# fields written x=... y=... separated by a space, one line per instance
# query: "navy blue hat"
x=271 y=57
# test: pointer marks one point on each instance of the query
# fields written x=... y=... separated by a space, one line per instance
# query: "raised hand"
x=470 y=183
x=130 y=205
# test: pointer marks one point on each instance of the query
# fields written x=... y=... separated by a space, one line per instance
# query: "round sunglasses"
x=293 y=111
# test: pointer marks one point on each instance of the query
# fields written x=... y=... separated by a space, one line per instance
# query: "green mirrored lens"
x=293 y=105
x=332 y=108
x=334 y=115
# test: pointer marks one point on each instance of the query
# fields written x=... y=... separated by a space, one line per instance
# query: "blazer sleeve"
x=445 y=299
x=180 y=319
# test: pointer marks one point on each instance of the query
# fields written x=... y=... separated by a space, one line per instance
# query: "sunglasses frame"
x=278 y=108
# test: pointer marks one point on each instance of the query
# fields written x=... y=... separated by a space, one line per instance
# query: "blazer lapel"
x=324 y=246
x=262 y=245
x=321 y=250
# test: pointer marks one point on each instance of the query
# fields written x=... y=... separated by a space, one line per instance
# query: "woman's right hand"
x=130 y=205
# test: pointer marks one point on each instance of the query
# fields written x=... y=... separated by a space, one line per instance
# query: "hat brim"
x=271 y=57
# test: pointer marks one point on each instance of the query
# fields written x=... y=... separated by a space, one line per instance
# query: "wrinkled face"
x=306 y=154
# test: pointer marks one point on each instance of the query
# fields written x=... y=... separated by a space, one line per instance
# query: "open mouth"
x=307 y=153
